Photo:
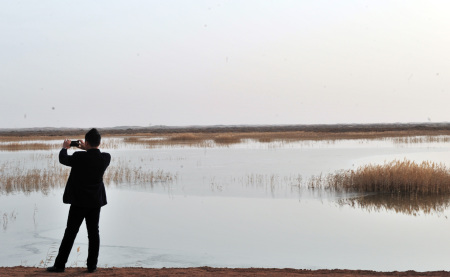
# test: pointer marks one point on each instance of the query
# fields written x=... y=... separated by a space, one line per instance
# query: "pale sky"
x=111 y=63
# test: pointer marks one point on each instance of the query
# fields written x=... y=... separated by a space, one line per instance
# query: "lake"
x=240 y=205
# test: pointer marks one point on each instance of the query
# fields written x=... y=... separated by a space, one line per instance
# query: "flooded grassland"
x=292 y=199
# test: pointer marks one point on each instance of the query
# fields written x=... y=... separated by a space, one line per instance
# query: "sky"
x=109 y=63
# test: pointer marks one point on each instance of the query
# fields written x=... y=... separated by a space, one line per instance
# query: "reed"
x=396 y=177
x=33 y=180
x=213 y=139
x=30 y=138
x=111 y=143
x=227 y=139
x=137 y=175
x=19 y=146
x=421 y=139
x=16 y=177
x=51 y=255
x=186 y=137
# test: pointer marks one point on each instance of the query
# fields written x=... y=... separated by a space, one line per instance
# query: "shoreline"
x=424 y=128
x=211 y=271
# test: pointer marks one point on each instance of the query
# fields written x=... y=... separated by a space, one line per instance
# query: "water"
x=237 y=206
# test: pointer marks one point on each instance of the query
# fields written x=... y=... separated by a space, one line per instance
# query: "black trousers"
x=74 y=220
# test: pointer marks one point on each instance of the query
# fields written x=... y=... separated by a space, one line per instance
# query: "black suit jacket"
x=85 y=187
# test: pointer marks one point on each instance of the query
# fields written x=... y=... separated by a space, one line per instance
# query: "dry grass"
x=111 y=143
x=421 y=139
x=19 y=176
x=19 y=146
x=186 y=137
x=124 y=174
x=30 y=138
x=396 y=177
x=229 y=138
x=31 y=145
x=206 y=139
x=48 y=174
x=33 y=180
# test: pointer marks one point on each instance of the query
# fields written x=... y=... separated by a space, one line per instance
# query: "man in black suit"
x=85 y=191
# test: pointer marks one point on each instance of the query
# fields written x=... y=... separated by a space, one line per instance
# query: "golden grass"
x=227 y=139
x=186 y=137
x=396 y=177
x=30 y=138
x=17 y=146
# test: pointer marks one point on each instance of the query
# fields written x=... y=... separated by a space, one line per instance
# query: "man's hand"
x=82 y=144
x=66 y=143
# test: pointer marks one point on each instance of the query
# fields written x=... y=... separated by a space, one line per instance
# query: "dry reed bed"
x=18 y=146
x=396 y=177
x=30 y=138
x=298 y=135
x=33 y=180
x=150 y=140
x=17 y=177
x=109 y=143
x=123 y=174
x=224 y=139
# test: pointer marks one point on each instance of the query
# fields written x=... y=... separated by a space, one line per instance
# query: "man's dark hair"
x=93 y=137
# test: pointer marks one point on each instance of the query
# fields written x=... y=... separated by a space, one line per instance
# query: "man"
x=85 y=192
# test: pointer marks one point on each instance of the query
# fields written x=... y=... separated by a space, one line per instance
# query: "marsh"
x=244 y=203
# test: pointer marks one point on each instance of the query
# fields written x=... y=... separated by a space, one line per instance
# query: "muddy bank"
x=208 y=271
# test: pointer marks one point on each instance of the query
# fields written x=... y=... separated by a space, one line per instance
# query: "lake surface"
x=245 y=205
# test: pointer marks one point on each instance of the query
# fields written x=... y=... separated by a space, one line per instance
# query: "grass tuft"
x=227 y=139
x=396 y=177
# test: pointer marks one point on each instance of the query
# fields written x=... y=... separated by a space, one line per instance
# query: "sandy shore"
x=207 y=271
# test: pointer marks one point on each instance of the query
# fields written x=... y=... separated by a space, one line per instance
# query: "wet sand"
x=208 y=271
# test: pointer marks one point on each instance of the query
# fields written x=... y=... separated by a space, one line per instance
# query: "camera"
x=75 y=143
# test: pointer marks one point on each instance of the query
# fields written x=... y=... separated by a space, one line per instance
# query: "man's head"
x=93 y=138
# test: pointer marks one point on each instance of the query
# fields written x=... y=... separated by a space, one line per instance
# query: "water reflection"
x=8 y=218
x=404 y=204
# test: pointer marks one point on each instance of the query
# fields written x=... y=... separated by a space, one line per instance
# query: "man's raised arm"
x=63 y=157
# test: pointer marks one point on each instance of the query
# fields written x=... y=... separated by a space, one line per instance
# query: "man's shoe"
x=92 y=269
x=55 y=269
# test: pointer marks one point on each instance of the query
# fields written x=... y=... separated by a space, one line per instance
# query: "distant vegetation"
x=224 y=139
x=224 y=136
